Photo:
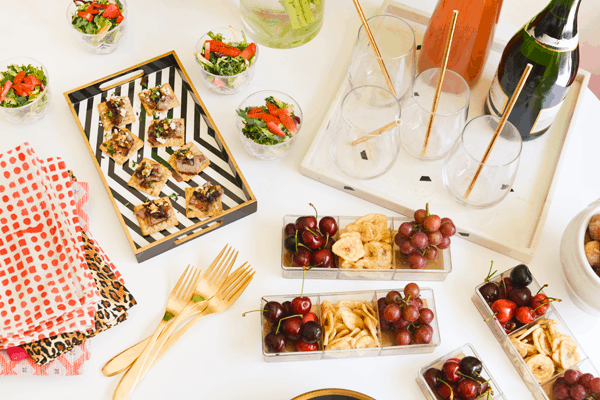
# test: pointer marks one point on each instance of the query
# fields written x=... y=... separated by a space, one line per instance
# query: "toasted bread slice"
x=195 y=151
x=171 y=103
x=118 y=157
x=149 y=230
x=129 y=117
x=152 y=191
x=179 y=140
x=213 y=209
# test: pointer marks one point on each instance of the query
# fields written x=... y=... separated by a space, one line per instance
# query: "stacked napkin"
x=57 y=287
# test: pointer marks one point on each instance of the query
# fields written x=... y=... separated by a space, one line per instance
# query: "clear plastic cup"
x=100 y=43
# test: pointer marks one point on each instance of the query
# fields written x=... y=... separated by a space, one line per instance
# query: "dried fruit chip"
x=568 y=354
x=349 y=248
x=541 y=367
x=351 y=320
x=377 y=219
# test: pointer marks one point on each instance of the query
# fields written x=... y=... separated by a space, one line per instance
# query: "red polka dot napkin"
x=45 y=285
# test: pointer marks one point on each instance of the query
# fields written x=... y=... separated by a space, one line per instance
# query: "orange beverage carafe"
x=472 y=41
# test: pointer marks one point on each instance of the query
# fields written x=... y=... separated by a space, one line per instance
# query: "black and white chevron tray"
x=238 y=199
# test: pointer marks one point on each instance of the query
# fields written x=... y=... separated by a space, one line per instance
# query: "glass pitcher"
x=282 y=24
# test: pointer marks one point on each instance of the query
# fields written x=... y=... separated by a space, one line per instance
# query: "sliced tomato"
x=112 y=11
x=289 y=123
x=275 y=129
x=7 y=86
x=119 y=19
x=19 y=78
x=249 y=51
x=86 y=16
x=32 y=80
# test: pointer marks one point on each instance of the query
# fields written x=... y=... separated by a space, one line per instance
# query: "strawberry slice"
x=112 y=11
x=280 y=111
x=269 y=118
x=249 y=51
x=272 y=108
x=288 y=122
x=228 y=51
x=32 y=80
x=275 y=129
x=255 y=110
x=19 y=78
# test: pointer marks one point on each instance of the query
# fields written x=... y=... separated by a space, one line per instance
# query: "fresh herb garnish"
x=174 y=196
x=133 y=164
x=126 y=204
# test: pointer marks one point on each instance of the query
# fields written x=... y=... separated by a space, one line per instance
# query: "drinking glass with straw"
x=481 y=167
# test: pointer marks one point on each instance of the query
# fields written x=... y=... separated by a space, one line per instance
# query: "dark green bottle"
x=551 y=44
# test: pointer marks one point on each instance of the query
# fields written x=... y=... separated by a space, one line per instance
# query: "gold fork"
x=178 y=299
x=225 y=297
x=212 y=279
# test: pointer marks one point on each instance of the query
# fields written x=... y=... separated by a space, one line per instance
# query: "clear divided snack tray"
x=399 y=270
x=539 y=390
x=387 y=345
x=466 y=350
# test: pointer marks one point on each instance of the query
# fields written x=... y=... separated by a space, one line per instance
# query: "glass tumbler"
x=449 y=119
x=497 y=175
x=355 y=150
x=396 y=43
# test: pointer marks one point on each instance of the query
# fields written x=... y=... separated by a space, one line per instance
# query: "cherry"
x=433 y=377
x=303 y=223
x=311 y=316
x=275 y=342
x=467 y=389
x=504 y=310
x=506 y=286
x=329 y=242
x=425 y=316
x=444 y=244
x=301 y=345
x=302 y=257
x=450 y=370
x=403 y=337
x=470 y=366
x=328 y=226
x=540 y=302
x=291 y=243
x=313 y=239
x=392 y=313
x=321 y=258
x=521 y=276
x=290 y=229
x=445 y=391
x=490 y=292
x=525 y=315
x=406 y=229
x=311 y=332
x=520 y=295
x=393 y=297
x=509 y=326
x=301 y=305
x=273 y=311
x=287 y=309
x=291 y=327
x=482 y=385
x=423 y=334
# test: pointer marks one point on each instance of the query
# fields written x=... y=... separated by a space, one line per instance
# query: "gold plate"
x=340 y=394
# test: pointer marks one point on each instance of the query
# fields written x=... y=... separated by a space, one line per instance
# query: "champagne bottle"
x=550 y=43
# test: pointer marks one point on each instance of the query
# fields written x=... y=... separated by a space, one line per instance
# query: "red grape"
x=392 y=313
x=432 y=223
x=412 y=290
x=435 y=238
x=406 y=247
x=419 y=240
x=425 y=316
x=448 y=229
x=406 y=229
x=410 y=313
x=430 y=254
x=416 y=261
x=403 y=337
x=401 y=324
x=420 y=216
x=447 y=220
x=444 y=244
x=393 y=297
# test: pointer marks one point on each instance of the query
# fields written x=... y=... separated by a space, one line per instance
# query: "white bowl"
x=582 y=282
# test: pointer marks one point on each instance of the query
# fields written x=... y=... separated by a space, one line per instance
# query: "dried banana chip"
x=349 y=248
x=385 y=255
x=520 y=347
x=377 y=219
x=367 y=231
x=540 y=341
x=365 y=342
x=568 y=354
x=351 y=320
x=366 y=264
x=541 y=367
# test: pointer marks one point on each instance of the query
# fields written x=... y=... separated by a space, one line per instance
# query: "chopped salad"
x=97 y=16
x=21 y=85
x=226 y=58
x=271 y=124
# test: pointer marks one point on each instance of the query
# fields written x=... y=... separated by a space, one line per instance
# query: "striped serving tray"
x=238 y=199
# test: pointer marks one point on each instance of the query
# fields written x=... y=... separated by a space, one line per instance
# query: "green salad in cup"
x=97 y=16
x=21 y=85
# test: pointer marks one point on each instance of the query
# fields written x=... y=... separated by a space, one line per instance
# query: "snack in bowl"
x=365 y=244
x=121 y=145
x=158 y=99
x=204 y=201
x=98 y=16
x=592 y=243
x=545 y=349
x=116 y=111
x=460 y=378
x=155 y=215
x=268 y=122
x=575 y=384
x=188 y=161
x=349 y=325
x=21 y=85
x=166 y=132
x=149 y=177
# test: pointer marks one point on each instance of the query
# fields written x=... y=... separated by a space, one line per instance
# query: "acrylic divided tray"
x=238 y=200
x=540 y=351
x=514 y=226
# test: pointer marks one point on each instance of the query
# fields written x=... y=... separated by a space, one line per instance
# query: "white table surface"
x=221 y=358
